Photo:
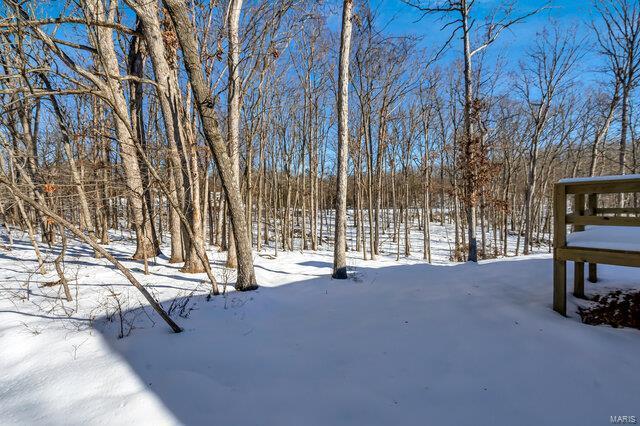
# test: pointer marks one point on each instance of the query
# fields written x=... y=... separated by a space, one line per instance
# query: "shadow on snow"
x=402 y=345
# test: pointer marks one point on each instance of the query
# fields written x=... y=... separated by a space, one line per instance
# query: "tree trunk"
x=102 y=40
x=468 y=142
x=233 y=109
x=186 y=36
x=340 y=241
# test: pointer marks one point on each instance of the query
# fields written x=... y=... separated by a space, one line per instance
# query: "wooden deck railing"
x=589 y=190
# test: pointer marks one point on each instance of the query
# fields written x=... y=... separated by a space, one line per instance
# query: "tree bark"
x=186 y=36
x=233 y=109
x=168 y=90
x=339 y=253
x=102 y=40
x=468 y=142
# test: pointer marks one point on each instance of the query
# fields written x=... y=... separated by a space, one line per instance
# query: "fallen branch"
x=94 y=245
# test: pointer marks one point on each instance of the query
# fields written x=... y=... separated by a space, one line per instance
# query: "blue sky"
x=512 y=45
x=404 y=19
x=401 y=19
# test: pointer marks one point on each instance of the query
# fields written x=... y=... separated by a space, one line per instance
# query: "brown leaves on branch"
x=49 y=188
x=170 y=41
x=475 y=165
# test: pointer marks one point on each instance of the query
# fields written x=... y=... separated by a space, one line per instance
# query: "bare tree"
x=339 y=254
x=620 y=43
x=233 y=106
x=546 y=76
x=186 y=36
x=464 y=22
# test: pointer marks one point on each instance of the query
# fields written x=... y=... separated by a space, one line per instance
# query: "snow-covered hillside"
x=400 y=343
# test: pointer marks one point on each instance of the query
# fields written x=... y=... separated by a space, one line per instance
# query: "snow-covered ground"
x=400 y=343
x=606 y=237
x=442 y=238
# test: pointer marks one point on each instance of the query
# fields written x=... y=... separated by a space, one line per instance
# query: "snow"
x=606 y=237
x=442 y=239
x=599 y=178
x=401 y=343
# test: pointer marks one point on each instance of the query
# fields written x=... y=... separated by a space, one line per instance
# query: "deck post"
x=592 y=206
x=578 y=209
x=593 y=272
x=559 y=241
x=560 y=287
x=578 y=279
x=578 y=269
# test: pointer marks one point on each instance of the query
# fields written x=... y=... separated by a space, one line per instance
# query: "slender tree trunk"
x=339 y=254
x=102 y=39
x=233 y=108
x=186 y=35
x=469 y=144
x=163 y=58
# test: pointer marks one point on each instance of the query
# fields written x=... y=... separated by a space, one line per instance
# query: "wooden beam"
x=559 y=215
x=615 y=186
x=592 y=255
x=619 y=210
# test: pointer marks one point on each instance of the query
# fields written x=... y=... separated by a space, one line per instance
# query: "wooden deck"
x=589 y=190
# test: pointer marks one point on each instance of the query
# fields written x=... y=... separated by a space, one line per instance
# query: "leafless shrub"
x=182 y=305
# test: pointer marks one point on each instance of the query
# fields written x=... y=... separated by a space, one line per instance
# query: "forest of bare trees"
x=261 y=125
